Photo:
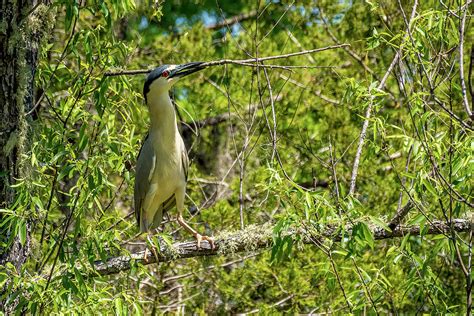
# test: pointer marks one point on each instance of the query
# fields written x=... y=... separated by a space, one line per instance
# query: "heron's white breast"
x=168 y=173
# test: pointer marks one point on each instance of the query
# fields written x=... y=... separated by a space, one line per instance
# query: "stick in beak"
x=186 y=69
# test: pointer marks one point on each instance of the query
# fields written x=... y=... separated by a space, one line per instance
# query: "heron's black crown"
x=152 y=76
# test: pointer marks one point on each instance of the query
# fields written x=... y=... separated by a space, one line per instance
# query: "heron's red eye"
x=165 y=74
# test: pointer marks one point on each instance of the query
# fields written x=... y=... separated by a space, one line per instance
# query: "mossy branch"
x=259 y=237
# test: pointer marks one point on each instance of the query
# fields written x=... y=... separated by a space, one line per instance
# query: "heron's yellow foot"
x=200 y=238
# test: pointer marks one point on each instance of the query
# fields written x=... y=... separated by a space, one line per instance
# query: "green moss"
x=171 y=251
x=27 y=41
x=247 y=239
x=12 y=141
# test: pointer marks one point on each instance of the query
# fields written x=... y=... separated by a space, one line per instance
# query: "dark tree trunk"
x=22 y=25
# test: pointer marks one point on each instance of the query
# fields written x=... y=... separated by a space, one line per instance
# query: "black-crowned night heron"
x=162 y=166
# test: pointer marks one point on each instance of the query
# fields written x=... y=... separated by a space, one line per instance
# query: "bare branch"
x=127 y=72
x=226 y=264
x=262 y=59
x=242 y=62
x=461 y=62
x=368 y=113
x=279 y=303
x=469 y=78
x=448 y=9
x=258 y=237
x=316 y=92
x=232 y=20
x=192 y=126
x=402 y=211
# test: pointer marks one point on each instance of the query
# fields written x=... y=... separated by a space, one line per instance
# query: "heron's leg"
x=152 y=247
x=196 y=235
x=182 y=223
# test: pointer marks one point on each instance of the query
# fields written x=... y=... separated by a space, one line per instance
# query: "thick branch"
x=257 y=237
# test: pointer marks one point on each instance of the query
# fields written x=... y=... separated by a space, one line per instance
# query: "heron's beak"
x=185 y=69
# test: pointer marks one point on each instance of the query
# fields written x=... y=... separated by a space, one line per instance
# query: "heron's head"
x=162 y=78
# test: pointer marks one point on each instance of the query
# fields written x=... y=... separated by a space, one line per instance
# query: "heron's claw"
x=200 y=238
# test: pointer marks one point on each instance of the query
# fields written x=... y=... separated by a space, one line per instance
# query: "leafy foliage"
x=285 y=156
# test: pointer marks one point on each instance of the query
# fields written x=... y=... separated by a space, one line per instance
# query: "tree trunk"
x=22 y=25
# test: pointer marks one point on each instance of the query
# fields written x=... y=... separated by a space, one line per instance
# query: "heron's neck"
x=162 y=115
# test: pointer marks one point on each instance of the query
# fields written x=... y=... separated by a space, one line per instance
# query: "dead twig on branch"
x=401 y=213
x=258 y=237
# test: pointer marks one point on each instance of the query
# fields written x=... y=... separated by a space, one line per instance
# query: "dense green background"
x=88 y=127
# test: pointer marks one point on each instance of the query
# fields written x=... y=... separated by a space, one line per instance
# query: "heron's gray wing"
x=168 y=204
x=144 y=169
x=185 y=162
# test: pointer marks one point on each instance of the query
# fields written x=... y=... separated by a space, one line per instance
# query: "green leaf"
x=427 y=184
x=379 y=223
x=138 y=309
x=3 y=279
x=118 y=306
x=22 y=231
x=368 y=237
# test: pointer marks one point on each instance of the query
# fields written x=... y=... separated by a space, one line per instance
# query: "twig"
x=328 y=252
x=397 y=219
x=262 y=59
x=232 y=20
x=288 y=7
x=316 y=92
x=468 y=278
x=368 y=113
x=461 y=62
x=451 y=113
x=259 y=237
x=63 y=55
x=469 y=78
x=279 y=303
x=351 y=52
x=226 y=264
x=448 y=9
x=333 y=170
x=252 y=62
x=402 y=211
x=367 y=290
x=297 y=43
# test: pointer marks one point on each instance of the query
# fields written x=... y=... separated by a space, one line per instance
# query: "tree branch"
x=232 y=20
x=461 y=62
x=402 y=212
x=469 y=83
x=368 y=113
x=251 y=62
x=351 y=52
x=258 y=237
x=190 y=126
